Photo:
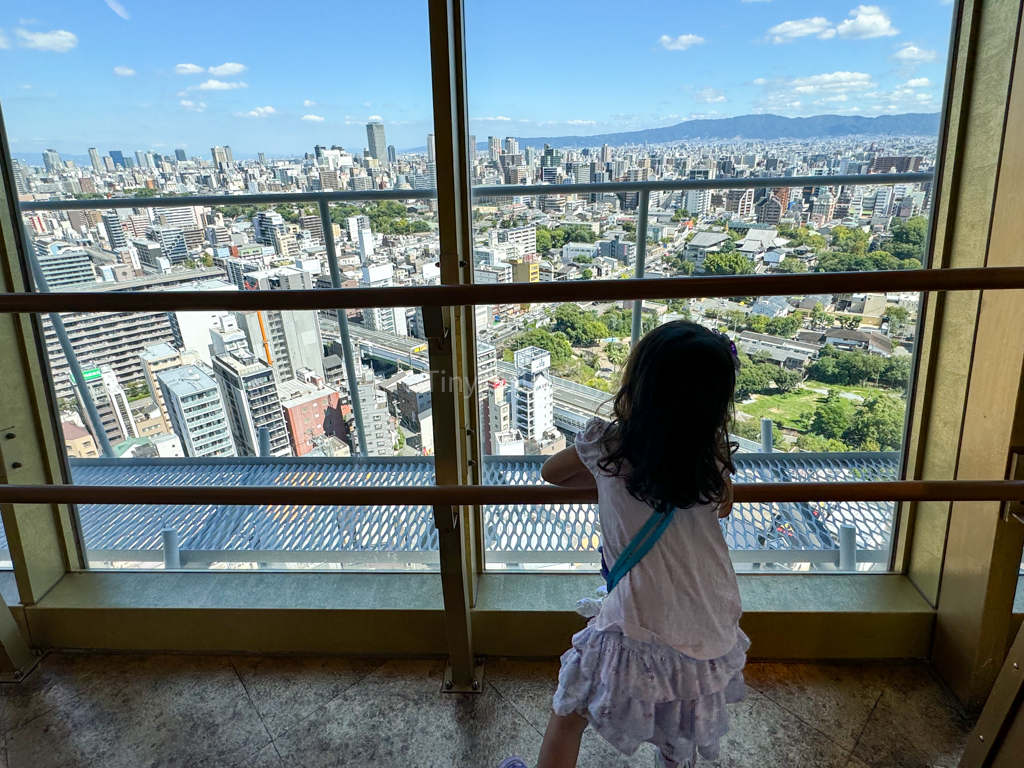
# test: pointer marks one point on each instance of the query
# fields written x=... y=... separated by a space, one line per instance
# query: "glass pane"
x=246 y=398
x=828 y=91
x=190 y=397
x=821 y=396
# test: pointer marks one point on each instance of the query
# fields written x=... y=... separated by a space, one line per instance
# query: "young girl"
x=665 y=653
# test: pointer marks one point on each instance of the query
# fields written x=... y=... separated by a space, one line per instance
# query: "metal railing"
x=452 y=295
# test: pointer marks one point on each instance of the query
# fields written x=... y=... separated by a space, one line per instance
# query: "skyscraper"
x=431 y=150
x=220 y=157
x=378 y=145
x=533 y=399
x=472 y=149
x=229 y=155
x=493 y=148
x=294 y=339
x=52 y=161
x=179 y=155
x=392 y=154
x=117 y=157
x=511 y=146
x=94 y=158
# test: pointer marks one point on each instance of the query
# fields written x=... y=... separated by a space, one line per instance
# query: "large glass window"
x=693 y=160
x=823 y=387
x=232 y=397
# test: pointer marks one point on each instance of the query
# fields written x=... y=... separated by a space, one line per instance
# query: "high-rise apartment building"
x=220 y=157
x=431 y=149
x=385 y=319
x=378 y=145
x=116 y=235
x=111 y=403
x=493 y=148
x=472 y=150
x=511 y=146
x=196 y=411
x=533 y=400
x=251 y=402
x=66 y=266
x=376 y=418
x=94 y=158
x=157 y=358
x=293 y=336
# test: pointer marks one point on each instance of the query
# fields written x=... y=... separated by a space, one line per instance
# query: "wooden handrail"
x=464 y=495
x=971 y=279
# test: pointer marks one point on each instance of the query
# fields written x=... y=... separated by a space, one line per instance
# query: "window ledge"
x=526 y=615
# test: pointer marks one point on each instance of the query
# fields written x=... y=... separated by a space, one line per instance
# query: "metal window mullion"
x=343 y=333
x=448 y=350
x=641 y=261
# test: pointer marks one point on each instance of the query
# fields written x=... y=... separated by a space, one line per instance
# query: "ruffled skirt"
x=633 y=692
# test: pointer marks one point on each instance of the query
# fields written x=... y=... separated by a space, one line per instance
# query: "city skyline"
x=64 y=80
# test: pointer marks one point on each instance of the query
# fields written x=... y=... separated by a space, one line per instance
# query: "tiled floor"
x=253 y=712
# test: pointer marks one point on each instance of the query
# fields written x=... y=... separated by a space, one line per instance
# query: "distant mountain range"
x=765 y=127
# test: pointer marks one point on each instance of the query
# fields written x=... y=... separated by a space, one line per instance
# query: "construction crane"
x=263 y=328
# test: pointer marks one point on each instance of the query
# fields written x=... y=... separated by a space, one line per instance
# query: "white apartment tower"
x=196 y=411
x=533 y=400
x=384 y=319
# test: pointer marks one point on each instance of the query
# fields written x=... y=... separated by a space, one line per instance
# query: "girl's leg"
x=561 y=744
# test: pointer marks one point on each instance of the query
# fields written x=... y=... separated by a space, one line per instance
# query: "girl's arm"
x=726 y=506
x=565 y=468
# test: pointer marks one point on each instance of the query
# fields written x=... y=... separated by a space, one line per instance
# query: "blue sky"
x=281 y=77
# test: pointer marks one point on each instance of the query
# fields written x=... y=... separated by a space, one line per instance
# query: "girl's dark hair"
x=669 y=438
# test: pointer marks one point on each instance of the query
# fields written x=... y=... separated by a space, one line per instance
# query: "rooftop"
x=792 y=533
x=187 y=380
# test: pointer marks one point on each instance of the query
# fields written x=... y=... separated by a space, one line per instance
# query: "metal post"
x=346 y=339
x=641 y=259
x=767 y=442
x=264 y=437
x=69 y=352
x=847 y=547
x=451 y=345
x=172 y=555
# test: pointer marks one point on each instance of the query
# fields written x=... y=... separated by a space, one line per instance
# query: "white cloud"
x=581 y=122
x=188 y=69
x=4 y=42
x=230 y=68
x=366 y=104
x=709 y=95
x=788 y=31
x=124 y=71
x=836 y=82
x=117 y=8
x=308 y=103
x=25 y=87
x=680 y=43
x=219 y=85
x=258 y=112
x=57 y=40
x=911 y=54
x=868 y=21
x=760 y=81
x=499 y=118
x=918 y=82
x=832 y=99
x=191 y=106
x=312 y=118
x=374 y=119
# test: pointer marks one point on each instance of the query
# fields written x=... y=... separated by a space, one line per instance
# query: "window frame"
x=501 y=604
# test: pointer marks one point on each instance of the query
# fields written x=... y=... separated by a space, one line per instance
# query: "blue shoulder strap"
x=639 y=546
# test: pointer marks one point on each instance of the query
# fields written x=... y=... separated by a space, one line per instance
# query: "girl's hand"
x=566 y=469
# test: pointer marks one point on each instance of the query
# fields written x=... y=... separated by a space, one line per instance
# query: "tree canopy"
x=556 y=344
x=727 y=264
x=908 y=238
